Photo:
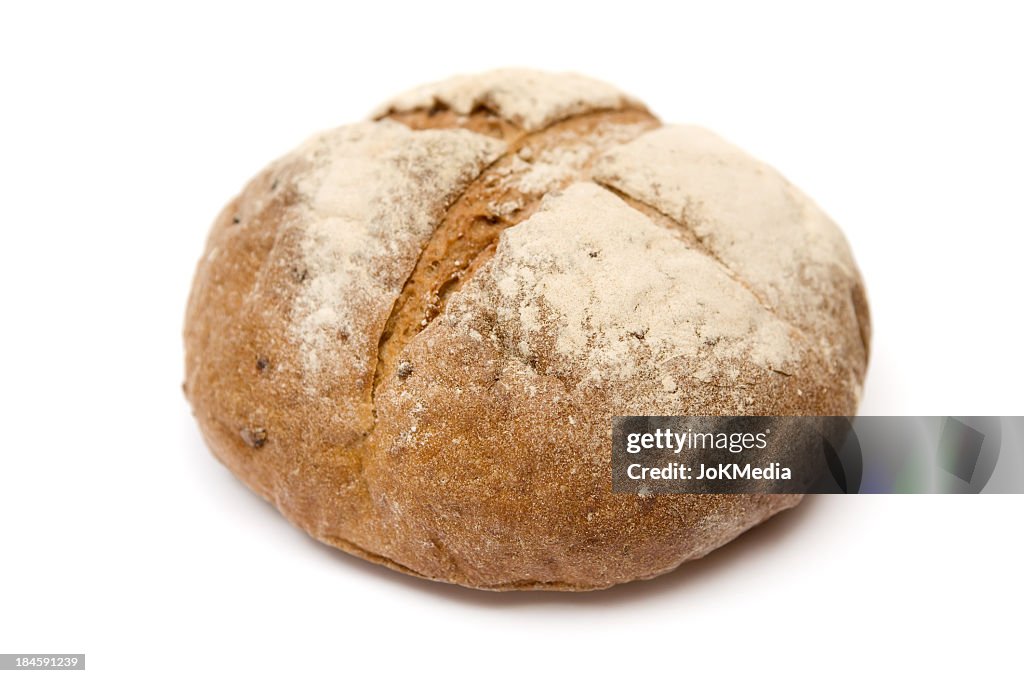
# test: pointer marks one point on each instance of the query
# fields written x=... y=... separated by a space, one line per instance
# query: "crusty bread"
x=410 y=335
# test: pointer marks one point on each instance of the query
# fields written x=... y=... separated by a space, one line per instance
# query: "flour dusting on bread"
x=372 y=197
x=530 y=99
x=587 y=278
x=741 y=209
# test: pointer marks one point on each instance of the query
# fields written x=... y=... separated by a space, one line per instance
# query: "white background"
x=125 y=129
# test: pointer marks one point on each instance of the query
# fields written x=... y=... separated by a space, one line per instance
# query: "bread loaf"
x=411 y=334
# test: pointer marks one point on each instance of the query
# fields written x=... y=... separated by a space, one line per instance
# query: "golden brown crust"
x=452 y=453
x=481 y=121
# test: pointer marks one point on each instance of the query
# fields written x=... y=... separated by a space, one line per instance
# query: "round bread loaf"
x=411 y=334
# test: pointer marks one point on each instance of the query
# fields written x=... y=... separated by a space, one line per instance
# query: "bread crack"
x=692 y=240
x=506 y=193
